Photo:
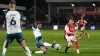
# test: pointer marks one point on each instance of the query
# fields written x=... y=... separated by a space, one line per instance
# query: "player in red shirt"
x=70 y=37
x=76 y=29
x=82 y=24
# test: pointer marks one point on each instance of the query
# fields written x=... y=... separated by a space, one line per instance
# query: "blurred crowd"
x=62 y=19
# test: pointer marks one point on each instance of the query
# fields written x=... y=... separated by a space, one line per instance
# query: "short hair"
x=71 y=19
x=12 y=1
x=39 y=23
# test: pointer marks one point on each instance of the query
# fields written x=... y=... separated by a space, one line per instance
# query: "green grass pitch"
x=88 y=47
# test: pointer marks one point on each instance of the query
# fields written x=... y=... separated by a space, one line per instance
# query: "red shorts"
x=81 y=26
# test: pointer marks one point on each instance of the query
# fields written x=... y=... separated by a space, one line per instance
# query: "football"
x=57 y=46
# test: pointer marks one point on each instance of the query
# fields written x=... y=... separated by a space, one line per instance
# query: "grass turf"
x=88 y=47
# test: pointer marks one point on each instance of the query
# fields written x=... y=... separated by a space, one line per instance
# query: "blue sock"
x=3 y=55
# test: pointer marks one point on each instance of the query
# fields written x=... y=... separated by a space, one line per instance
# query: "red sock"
x=76 y=44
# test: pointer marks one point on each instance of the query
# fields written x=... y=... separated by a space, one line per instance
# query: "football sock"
x=77 y=46
x=4 y=49
x=86 y=34
x=27 y=51
x=67 y=48
x=80 y=34
x=38 y=52
x=47 y=44
x=78 y=51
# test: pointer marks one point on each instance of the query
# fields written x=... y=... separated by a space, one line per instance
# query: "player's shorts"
x=18 y=36
x=82 y=28
x=69 y=38
x=39 y=41
x=76 y=28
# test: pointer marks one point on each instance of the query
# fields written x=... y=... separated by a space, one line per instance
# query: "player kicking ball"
x=13 y=29
x=70 y=37
x=82 y=24
x=39 y=40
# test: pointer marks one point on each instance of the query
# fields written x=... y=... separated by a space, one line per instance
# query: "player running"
x=13 y=29
x=76 y=29
x=82 y=24
x=39 y=40
x=70 y=37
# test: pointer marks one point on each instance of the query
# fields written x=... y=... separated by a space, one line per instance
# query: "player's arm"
x=34 y=26
x=67 y=30
x=4 y=20
x=21 y=19
x=30 y=25
x=85 y=21
x=78 y=22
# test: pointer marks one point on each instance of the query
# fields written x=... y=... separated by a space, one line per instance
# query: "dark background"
x=27 y=3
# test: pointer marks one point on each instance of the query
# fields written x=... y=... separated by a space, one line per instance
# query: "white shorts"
x=83 y=28
x=69 y=38
x=76 y=28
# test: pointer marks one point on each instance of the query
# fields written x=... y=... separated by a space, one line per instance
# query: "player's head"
x=39 y=25
x=12 y=4
x=82 y=17
x=71 y=21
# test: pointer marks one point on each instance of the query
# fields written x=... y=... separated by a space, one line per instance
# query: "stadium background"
x=55 y=12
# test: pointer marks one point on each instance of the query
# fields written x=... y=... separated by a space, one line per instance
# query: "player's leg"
x=80 y=35
x=42 y=51
x=46 y=44
x=76 y=33
x=5 y=46
x=76 y=43
x=69 y=43
x=21 y=41
x=82 y=30
x=26 y=48
x=40 y=45
x=8 y=40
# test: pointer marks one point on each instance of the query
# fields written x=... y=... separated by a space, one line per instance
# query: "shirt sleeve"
x=33 y=27
x=78 y=21
x=66 y=28
x=85 y=21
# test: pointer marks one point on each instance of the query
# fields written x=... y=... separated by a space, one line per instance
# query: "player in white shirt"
x=13 y=29
x=39 y=40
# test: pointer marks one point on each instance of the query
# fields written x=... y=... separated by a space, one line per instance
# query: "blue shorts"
x=39 y=41
x=18 y=36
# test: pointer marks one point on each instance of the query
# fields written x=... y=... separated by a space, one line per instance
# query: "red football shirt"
x=70 y=28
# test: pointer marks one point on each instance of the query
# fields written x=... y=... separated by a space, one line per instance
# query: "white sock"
x=47 y=44
x=38 y=52
x=78 y=51
x=4 y=48
x=27 y=51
